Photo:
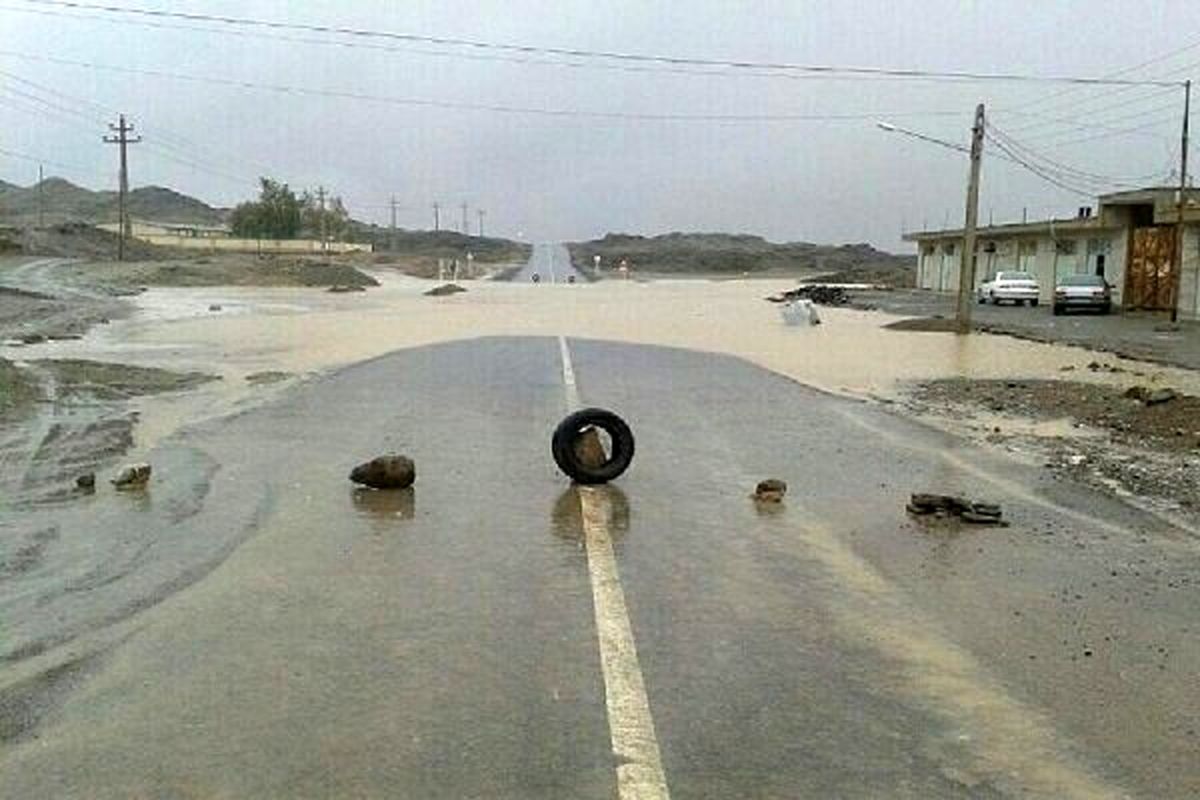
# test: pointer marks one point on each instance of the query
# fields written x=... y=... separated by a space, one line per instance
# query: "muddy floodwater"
x=253 y=626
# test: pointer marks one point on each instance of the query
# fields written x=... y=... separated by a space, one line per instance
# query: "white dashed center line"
x=640 y=774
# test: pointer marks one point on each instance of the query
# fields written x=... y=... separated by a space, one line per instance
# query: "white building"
x=1130 y=240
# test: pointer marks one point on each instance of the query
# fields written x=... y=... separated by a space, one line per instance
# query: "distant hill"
x=67 y=202
x=724 y=253
x=438 y=244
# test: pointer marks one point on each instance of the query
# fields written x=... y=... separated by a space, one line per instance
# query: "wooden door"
x=1148 y=279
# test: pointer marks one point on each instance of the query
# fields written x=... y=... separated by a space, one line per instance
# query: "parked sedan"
x=1082 y=291
x=1010 y=287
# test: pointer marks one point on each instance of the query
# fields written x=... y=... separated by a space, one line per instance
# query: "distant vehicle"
x=1082 y=291
x=570 y=279
x=535 y=277
x=1010 y=287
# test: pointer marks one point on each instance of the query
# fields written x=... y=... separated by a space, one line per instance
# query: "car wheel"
x=562 y=446
x=1033 y=303
x=1106 y=308
x=1058 y=310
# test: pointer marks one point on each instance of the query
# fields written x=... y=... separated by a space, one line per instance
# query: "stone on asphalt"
x=132 y=476
x=385 y=472
x=444 y=290
x=770 y=490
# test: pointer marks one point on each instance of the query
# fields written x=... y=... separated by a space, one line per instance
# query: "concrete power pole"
x=321 y=213
x=466 y=230
x=481 y=213
x=1183 y=165
x=124 y=140
x=392 y=235
x=437 y=218
x=966 y=272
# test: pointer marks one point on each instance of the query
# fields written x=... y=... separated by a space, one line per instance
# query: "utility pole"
x=466 y=231
x=321 y=214
x=966 y=272
x=392 y=235
x=1183 y=158
x=123 y=139
x=481 y=213
x=437 y=219
x=41 y=198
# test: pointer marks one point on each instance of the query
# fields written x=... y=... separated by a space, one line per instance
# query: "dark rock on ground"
x=385 y=472
x=87 y=481
x=343 y=289
x=444 y=290
x=770 y=490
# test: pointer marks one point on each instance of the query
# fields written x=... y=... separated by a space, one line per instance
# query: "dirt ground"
x=219 y=270
x=1093 y=433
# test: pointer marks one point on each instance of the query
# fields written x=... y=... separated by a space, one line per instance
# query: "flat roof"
x=1072 y=224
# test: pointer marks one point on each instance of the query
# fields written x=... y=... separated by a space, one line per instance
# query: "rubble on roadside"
x=819 y=293
x=132 y=476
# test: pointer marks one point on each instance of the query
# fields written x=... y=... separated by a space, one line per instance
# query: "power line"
x=604 y=55
x=459 y=106
x=1062 y=169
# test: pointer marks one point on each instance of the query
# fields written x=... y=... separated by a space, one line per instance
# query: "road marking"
x=550 y=263
x=640 y=774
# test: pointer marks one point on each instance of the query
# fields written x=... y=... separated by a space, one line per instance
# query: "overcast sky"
x=564 y=177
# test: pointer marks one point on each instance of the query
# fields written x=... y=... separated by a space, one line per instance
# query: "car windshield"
x=327 y=331
x=1081 y=280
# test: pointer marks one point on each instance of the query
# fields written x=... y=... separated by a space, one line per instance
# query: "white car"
x=1010 y=287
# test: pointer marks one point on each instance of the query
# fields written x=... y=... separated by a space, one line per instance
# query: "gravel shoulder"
x=1098 y=435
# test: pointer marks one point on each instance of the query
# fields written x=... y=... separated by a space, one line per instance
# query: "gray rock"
x=132 y=476
x=345 y=289
x=386 y=472
x=1159 y=396
x=86 y=481
x=214 y=307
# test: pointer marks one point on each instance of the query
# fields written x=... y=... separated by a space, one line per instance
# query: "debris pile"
x=944 y=505
x=819 y=293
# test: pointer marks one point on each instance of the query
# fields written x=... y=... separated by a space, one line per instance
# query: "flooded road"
x=443 y=643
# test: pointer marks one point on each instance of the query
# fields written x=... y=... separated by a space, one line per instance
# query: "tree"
x=276 y=214
x=335 y=217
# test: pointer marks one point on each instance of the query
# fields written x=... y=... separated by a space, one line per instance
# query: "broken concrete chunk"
x=386 y=472
x=132 y=476
x=770 y=490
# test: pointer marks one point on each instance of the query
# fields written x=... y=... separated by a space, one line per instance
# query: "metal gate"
x=1148 y=280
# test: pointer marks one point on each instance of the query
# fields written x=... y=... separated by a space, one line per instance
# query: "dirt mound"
x=232 y=269
x=81 y=240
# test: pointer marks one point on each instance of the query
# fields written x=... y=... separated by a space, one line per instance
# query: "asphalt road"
x=444 y=642
x=1142 y=335
x=551 y=263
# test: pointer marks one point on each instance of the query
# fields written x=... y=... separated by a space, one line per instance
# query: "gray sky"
x=551 y=177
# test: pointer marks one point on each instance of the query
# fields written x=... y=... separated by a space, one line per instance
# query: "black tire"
x=1058 y=310
x=535 y=278
x=563 y=450
x=1106 y=308
x=1033 y=303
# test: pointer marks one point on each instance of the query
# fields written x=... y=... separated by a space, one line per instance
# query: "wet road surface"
x=551 y=263
x=443 y=642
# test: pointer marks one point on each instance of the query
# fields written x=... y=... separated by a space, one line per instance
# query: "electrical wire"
x=459 y=106
x=602 y=55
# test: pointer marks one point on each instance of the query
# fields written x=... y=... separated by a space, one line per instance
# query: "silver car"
x=1010 y=287
x=1082 y=291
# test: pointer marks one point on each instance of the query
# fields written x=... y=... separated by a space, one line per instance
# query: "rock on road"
x=442 y=642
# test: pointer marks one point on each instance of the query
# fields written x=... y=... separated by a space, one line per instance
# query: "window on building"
x=1027 y=247
x=1098 y=246
x=989 y=247
x=948 y=248
x=1065 y=247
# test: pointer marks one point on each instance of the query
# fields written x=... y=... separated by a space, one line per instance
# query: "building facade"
x=1129 y=240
